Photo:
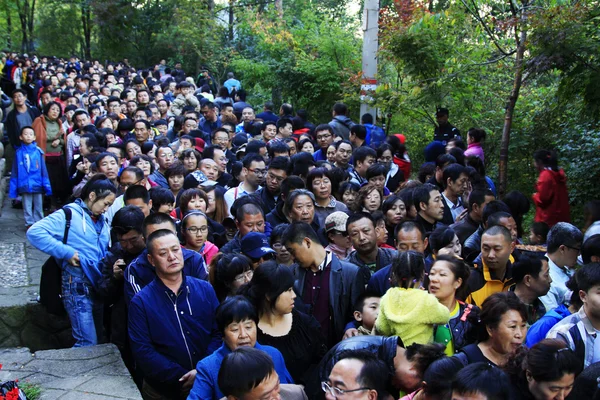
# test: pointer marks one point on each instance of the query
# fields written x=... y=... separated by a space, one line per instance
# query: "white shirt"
x=232 y=194
x=456 y=209
x=112 y=210
x=558 y=294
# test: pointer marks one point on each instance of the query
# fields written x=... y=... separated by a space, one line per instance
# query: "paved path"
x=85 y=373
x=20 y=262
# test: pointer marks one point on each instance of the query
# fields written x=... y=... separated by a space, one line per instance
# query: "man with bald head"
x=210 y=168
x=492 y=271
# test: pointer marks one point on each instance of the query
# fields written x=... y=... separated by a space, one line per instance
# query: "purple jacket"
x=475 y=149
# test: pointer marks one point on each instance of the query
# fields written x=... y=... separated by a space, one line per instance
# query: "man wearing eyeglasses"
x=277 y=173
x=564 y=246
x=130 y=176
x=255 y=171
x=358 y=375
x=324 y=135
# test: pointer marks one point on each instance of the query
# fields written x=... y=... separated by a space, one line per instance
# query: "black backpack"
x=51 y=279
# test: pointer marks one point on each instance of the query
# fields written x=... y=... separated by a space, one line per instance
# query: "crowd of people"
x=237 y=254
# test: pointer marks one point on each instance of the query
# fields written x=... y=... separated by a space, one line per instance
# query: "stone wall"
x=30 y=326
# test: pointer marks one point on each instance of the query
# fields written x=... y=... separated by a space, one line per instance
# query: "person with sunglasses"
x=339 y=241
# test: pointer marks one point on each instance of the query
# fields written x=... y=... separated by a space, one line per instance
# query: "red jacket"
x=404 y=165
x=551 y=198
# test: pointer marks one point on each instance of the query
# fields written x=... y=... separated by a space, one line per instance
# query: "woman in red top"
x=551 y=198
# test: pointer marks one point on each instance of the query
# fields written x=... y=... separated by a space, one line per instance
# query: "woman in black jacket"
x=295 y=334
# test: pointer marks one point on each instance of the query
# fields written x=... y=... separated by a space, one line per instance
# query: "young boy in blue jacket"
x=29 y=177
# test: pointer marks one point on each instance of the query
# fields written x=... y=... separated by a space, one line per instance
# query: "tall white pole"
x=370 y=28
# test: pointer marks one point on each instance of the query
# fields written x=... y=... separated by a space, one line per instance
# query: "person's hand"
x=80 y=167
x=55 y=142
x=350 y=333
x=462 y=215
x=74 y=261
x=118 y=268
x=187 y=381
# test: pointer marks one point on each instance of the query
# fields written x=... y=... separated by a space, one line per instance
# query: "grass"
x=31 y=390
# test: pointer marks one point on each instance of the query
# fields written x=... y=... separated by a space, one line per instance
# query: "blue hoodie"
x=88 y=237
x=29 y=173
x=538 y=331
x=140 y=272
x=171 y=332
x=206 y=386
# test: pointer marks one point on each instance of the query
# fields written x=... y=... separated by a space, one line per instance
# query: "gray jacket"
x=341 y=126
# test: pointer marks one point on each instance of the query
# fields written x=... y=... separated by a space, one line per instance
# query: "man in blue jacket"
x=172 y=321
x=140 y=272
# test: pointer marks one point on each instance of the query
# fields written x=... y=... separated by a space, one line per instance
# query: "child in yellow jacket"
x=406 y=310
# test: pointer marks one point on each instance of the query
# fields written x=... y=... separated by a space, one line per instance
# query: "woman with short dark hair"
x=319 y=183
x=295 y=334
x=236 y=319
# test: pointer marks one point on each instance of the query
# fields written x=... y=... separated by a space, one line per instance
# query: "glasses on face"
x=245 y=276
x=195 y=230
x=577 y=249
x=131 y=241
x=275 y=178
x=126 y=186
x=221 y=139
x=258 y=171
x=335 y=392
x=324 y=137
x=277 y=245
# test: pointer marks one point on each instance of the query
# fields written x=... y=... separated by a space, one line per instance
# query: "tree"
x=26 y=10
x=465 y=55
x=307 y=58
x=55 y=19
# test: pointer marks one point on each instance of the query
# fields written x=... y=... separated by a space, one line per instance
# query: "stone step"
x=84 y=373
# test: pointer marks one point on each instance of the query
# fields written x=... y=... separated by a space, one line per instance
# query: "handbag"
x=51 y=279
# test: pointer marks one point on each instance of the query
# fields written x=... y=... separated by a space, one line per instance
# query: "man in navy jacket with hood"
x=172 y=322
x=140 y=272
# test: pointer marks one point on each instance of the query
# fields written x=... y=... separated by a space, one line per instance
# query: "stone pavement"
x=20 y=262
x=24 y=322
x=85 y=373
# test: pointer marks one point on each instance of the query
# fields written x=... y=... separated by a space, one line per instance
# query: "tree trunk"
x=509 y=113
x=30 y=25
x=279 y=7
x=86 y=25
x=231 y=20
x=8 y=27
x=24 y=11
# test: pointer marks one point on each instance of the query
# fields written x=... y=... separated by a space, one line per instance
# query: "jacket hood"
x=405 y=306
x=559 y=176
x=343 y=119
